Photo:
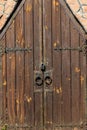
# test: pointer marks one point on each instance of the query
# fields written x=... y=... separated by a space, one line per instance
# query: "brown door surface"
x=44 y=71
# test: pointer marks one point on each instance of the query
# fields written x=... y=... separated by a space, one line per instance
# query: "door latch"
x=43 y=67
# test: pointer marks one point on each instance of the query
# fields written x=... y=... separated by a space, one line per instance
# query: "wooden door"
x=43 y=70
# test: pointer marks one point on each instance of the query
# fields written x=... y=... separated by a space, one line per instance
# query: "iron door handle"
x=48 y=80
x=39 y=81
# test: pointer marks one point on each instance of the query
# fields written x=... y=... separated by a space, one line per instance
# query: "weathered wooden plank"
x=49 y=108
x=82 y=81
x=47 y=53
x=2 y=86
x=65 y=71
x=47 y=41
x=20 y=68
x=56 y=62
x=10 y=42
x=66 y=95
x=38 y=96
x=38 y=110
x=29 y=99
x=75 y=71
x=37 y=34
x=4 y=82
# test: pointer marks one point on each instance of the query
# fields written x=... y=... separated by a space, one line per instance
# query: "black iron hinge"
x=82 y=48
x=15 y=49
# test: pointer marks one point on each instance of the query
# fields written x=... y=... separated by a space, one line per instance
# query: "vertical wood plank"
x=48 y=115
x=82 y=81
x=47 y=33
x=66 y=77
x=29 y=99
x=75 y=74
x=38 y=110
x=2 y=85
x=37 y=34
x=20 y=68
x=47 y=53
x=38 y=101
x=56 y=32
x=4 y=81
x=10 y=43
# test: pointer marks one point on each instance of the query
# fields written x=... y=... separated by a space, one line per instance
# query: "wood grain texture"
x=82 y=82
x=47 y=54
x=66 y=77
x=38 y=96
x=10 y=42
x=75 y=71
x=20 y=68
x=43 y=26
x=1 y=92
x=47 y=33
x=37 y=34
x=28 y=38
x=56 y=40
x=4 y=82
